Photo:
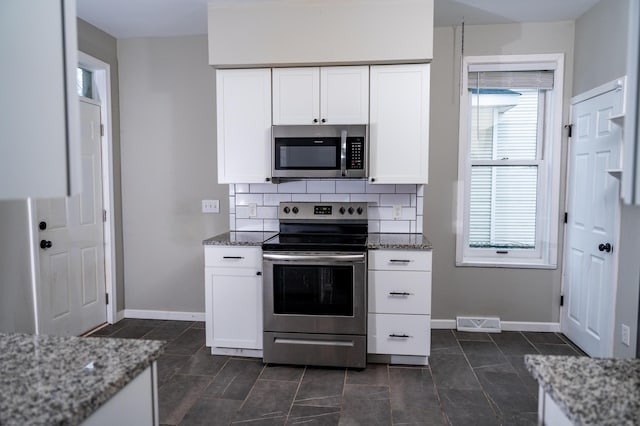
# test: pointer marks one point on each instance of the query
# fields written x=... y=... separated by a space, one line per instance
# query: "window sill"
x=515 y=264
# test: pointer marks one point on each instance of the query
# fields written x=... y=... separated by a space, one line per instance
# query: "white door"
x=593 y=214
x=71 y=294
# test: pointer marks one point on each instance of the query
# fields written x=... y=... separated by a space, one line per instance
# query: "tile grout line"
x=296 y=394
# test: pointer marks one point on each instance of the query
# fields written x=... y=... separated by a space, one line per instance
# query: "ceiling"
x=166 y=18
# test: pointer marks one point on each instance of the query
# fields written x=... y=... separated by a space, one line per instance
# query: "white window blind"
x=511 y=79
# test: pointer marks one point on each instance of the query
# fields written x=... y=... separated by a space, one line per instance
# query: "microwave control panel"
x=355 y=153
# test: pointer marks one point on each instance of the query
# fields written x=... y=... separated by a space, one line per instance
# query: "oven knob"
x=359 y=210
x=342 y=210
x=295 y=210
x=286 y=210
x=350 y=210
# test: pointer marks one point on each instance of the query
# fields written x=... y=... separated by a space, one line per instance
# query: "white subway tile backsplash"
x=401 y=226
x=335 y=197
x=249 y=225
x=271 y=225
x=379 y=189
x=263 y=187
x=268 y=212
x=371 y=199
x=379 y=199
x=246 y=199
x=405 y=189
x=292 y=187
x=275 y=199
x=321 y=186
x=305 y=197
x=394 y=199
x=350 y=186
x=242 y=187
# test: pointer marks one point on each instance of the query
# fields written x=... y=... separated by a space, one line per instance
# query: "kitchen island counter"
x=590 y=391
x=50 y=380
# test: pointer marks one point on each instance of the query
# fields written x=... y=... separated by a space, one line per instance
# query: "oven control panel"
x=322 y=211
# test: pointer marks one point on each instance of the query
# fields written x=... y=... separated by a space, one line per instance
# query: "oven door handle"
x=315 y=257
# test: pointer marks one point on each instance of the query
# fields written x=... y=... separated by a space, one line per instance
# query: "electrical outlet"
x=210 y=206
x=397 y=211
x=253 y=210
x=626 y=334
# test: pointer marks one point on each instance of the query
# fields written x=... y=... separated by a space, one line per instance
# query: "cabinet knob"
x=258 y=273
x=373 y=179
x=315 y=120
x=44 y=244
x=42 y=225
x=324 y=120
x=267 y=179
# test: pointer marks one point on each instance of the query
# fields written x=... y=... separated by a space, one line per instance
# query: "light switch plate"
x=210 y=206
x=253 y=210
x=626 y=334
x=397 y=211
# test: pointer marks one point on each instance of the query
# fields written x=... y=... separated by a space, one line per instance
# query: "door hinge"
x=561 y=300
x=102 y=130
x=106 y=298
x=104 y=215
x=569 y=128
x=566 y=217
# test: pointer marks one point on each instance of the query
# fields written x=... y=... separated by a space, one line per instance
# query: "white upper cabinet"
x=244 y=125
x=327 y=95
x=399 y=124
x=40 y=145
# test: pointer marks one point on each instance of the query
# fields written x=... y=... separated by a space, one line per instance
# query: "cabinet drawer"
x=400 y=260
x=233 y=257
x=399 y=334
x=392 y=292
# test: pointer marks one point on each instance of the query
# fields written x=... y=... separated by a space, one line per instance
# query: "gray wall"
x=16 y=293
x=167 y=106
x=512 y=294
x=600 y=56
x=101 y=45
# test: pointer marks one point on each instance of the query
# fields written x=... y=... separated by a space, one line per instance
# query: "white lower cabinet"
x=233 y=305
x=399 y=301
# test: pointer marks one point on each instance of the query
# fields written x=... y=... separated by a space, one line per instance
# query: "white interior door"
x=593 y=215
x=71 y=293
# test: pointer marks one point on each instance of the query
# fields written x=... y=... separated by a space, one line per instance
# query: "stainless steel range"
x=315 y=286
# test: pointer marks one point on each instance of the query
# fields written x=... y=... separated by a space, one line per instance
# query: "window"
x=509 y=164
x=84 y=82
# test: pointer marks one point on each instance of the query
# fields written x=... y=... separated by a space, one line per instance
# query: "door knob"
x=605 y=247
x=42 y=225
x=44 y=244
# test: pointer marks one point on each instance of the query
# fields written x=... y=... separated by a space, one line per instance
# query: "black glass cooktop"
x=319 y=242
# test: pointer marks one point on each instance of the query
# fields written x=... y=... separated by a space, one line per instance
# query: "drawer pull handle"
x=402 y=336
x=232 y=257
x=399 y=293
x=399 y=261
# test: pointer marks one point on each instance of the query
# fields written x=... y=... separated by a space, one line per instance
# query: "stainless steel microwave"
x=319 y=151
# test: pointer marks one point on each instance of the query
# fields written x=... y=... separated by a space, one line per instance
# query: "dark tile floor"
x=472 y=379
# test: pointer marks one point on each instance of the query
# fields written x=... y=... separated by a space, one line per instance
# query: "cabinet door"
x=39 y=115
x=236 y=308
x=399 y=124
x=296 y=95
x=244 y=125
x=344 y=95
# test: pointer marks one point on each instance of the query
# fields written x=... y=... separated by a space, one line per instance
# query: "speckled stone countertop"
x=590 y=391
x=238 y=238
x=399 y=241
x=375 y=241
x=46 y=380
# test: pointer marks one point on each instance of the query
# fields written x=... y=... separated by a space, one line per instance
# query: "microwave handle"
x=343 y=152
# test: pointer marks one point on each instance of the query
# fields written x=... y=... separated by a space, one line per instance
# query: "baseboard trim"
x=119 y=315
x=506 y=325
x=164 y=315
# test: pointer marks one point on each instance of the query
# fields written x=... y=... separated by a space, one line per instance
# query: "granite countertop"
x=375 y=240
x=49 y=380
x=590 y=391
x=399 y=241
x=239 y=238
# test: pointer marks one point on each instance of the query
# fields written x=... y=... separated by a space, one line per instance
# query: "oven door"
x=315 y=292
